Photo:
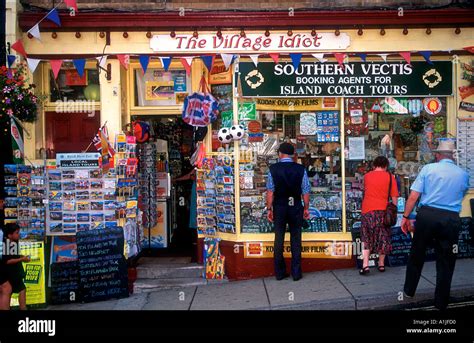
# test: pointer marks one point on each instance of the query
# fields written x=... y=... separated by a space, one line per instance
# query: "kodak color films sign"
x=351 y=80
x=340 y=250
x=251 y=43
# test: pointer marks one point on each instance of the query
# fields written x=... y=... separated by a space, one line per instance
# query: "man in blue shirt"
x=287 y=185
x=440 y=187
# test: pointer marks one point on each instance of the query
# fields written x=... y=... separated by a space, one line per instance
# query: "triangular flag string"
x=35 y=32
x=426 y=55
x=102 y=61
x=227 y=59
x=406 y=56
x=362 y=56
x=254 y=59
x=18 y=47
x=32 y=63
x=71 y=4
x=80 y=65
x=56 y=67
x=165 y=62
x=320 y=57
x=340 y=57
x=296 y=60
x=186 y=65
x=384 y=57
x=144 y=59
x=208 y=61
x=10 y=60
x=124 y=60
x=275 y=57
x=53 y=15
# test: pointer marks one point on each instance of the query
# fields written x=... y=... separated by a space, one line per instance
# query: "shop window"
x=402 y=129
x=70 y=86
x=161 y=88
x=316 y=137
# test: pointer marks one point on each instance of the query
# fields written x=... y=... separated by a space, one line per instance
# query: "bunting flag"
x=208 y=61
x=426 y=55
x=254 y=59
x=35 y=32
x=165 y=62
x=101 y=139
x=71 y=3
x=53 y=15
x=186 y=65
x=275 y=57
x=340 y=57
x=144 y=59
x=384 y=57
x=296 y=60
x=10 y=60
x=56 y=66
x=470 y=49
x=32 y=63
x=124 y=60
x=227 y=59
x=18 y=47
x=102 y=61
x=406 y=56
x=320 y=57
x=17 y=141
x=80 y=64
x=362 y=56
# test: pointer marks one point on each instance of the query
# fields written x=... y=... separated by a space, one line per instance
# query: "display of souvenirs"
x=215 y=195
x=327 y=126
x=25 y=188
x=147 y=183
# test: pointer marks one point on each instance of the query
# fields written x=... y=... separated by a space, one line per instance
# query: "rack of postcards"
x=215 y=195
x=25 y=189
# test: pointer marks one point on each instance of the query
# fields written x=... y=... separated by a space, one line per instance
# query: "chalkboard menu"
x=102 y=266
x=466 y=248
x=65 y=283
x=401 y=244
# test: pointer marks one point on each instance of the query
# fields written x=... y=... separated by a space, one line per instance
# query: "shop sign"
x=34 y=279
x=432 y=105
x=309 y=250
x=255 y=134
x=219 y=75
x=247 y=111
x=80 y=160
x=350 y=80
x=298 y=105
x=252 y=42
x=466 y=106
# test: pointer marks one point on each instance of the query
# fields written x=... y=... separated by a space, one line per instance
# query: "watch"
x=406 y=217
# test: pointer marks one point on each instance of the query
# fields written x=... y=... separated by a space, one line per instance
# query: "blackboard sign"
x=102 y=266
x=401 y=244
x=465 y=244
x=65 y=283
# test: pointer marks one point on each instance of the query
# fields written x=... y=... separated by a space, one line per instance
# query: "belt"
x=429 y=208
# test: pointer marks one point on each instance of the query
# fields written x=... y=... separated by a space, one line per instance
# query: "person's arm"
x=185 y=177
x=305 y=188
x=270 y=190
x=394 y=190
x=18 y=260
x=409 y=206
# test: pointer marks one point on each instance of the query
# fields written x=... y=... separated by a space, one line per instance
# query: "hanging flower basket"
x=16 y=95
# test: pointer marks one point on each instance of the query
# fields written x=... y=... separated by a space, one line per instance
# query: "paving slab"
x=381 y=289
x=107 y=305
x=316 y=291
x=170 y=300
x=163 y=260
x=238 y=295
x=133 y=303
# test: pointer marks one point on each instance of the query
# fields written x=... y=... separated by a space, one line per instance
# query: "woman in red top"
x=375 y=236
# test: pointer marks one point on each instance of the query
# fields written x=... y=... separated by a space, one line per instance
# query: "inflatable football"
x=237 y=132
x=224 y=136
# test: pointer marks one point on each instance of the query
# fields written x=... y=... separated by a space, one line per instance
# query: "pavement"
x=342 y=289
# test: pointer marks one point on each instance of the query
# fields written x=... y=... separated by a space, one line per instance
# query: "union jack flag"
x=101 y=135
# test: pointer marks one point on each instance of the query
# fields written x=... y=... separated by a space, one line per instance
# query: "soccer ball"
x=224 y=135
x=237 y=132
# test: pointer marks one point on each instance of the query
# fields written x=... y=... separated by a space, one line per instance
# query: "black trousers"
x=293 y=216
x=439 y=228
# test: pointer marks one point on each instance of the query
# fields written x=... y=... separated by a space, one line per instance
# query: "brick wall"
x=146 y=5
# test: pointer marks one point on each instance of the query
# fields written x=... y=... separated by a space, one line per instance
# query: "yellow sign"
x=329 y=249
x=34 y=270
x=160 y=90
x=294 y=104
x=219 y=75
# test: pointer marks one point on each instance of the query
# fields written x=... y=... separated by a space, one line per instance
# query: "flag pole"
x=92 y=141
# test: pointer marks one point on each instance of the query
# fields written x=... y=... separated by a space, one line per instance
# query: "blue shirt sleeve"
x=305 y=185
x=270 y=185
x=419 y=184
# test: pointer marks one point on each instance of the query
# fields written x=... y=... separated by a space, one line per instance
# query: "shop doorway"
x=175 y=141
x=70 y=132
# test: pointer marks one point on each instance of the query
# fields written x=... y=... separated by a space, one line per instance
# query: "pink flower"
x=10 y=112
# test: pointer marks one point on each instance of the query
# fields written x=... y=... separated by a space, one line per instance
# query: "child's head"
x=11 y=231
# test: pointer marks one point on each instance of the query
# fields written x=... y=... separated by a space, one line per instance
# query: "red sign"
x=73 y=78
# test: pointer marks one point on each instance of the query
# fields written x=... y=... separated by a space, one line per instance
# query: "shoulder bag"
x=390 y=218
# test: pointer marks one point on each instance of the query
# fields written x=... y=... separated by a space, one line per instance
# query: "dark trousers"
x=293 y=216
x=441 y=229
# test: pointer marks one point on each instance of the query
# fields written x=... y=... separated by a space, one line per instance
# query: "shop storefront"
x=341 y=99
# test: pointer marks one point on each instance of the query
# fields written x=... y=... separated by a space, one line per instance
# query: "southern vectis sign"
x=351 y=79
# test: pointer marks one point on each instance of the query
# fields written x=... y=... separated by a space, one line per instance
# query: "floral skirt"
x=375 y=236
